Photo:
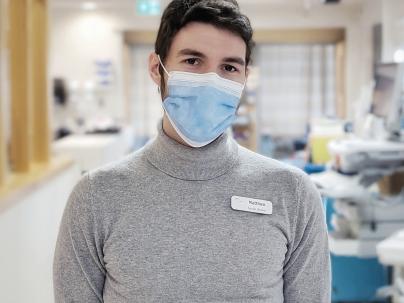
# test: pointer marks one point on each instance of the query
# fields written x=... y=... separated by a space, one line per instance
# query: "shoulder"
x=119 y=172
x=293 y=181
x=295 y=194
x=98 y=192
x=109 y=182
x=259 y=166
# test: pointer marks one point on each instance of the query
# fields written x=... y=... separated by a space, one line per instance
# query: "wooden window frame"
x=3 y=146
x=26 y=41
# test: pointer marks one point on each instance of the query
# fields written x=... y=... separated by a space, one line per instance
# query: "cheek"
x=163 y=89
x=237 y=77
x=162 y=80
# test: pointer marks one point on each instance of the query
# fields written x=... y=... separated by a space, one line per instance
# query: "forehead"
x=209 y=40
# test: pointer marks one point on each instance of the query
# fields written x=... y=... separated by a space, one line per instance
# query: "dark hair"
x=223 y=14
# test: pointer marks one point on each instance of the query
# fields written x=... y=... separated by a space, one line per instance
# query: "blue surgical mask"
x=200 y=107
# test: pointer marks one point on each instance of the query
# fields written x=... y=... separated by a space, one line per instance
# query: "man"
x=193 y=216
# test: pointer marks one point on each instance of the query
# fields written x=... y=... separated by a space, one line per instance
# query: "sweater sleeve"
x=307 y=277
x=78 y=269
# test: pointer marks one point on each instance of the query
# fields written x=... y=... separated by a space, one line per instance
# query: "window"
x=297 y=83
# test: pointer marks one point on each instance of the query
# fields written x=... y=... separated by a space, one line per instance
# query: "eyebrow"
x=192 y=52
x=237 y=60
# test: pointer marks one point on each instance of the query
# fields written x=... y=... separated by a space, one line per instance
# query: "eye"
x=230 y=68
x=192 y=61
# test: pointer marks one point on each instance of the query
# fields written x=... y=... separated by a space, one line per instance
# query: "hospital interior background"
x=325 y=94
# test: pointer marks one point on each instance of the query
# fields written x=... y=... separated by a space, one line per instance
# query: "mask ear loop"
x=245 y=83
x=162 y=65
x=239 y=103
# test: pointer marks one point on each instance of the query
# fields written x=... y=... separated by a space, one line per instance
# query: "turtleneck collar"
x=188 y=163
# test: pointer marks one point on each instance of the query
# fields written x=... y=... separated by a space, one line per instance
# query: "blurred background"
x=325 y=94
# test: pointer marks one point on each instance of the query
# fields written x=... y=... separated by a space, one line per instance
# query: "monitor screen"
x=386 y=77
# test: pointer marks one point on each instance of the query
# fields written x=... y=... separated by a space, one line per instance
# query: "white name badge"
x=251 y=205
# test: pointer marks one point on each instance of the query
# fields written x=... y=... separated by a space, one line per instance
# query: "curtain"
x=297 y=83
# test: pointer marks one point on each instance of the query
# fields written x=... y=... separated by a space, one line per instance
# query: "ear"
x=154 y=64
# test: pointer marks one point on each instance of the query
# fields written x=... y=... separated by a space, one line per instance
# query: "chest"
x=194 y=245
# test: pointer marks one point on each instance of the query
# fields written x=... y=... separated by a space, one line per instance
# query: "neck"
x=170 y=131
x=187 y=163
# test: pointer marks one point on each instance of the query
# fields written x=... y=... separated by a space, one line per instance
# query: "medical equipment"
x=358 y=217
x=388 y=97
x=361 y=215
x=384 y=153
x=357 y=155
x=391 y=253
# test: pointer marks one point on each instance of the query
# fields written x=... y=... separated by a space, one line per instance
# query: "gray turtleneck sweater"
x=158 y=226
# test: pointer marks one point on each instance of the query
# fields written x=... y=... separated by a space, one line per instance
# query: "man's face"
x=203 y=48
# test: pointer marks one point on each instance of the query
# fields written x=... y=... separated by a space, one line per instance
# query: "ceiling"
x=244 y=3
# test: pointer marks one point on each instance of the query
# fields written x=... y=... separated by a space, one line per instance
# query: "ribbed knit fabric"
x=157 y=226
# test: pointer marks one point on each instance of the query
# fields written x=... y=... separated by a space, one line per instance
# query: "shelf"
x=352 y=247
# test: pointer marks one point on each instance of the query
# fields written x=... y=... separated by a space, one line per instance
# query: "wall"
x=78 y=39
x=28 y=233
x=393 y=28
x=371 y=15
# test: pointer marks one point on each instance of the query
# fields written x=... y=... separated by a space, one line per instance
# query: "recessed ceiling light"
x=89 y=6
x=148 y=7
